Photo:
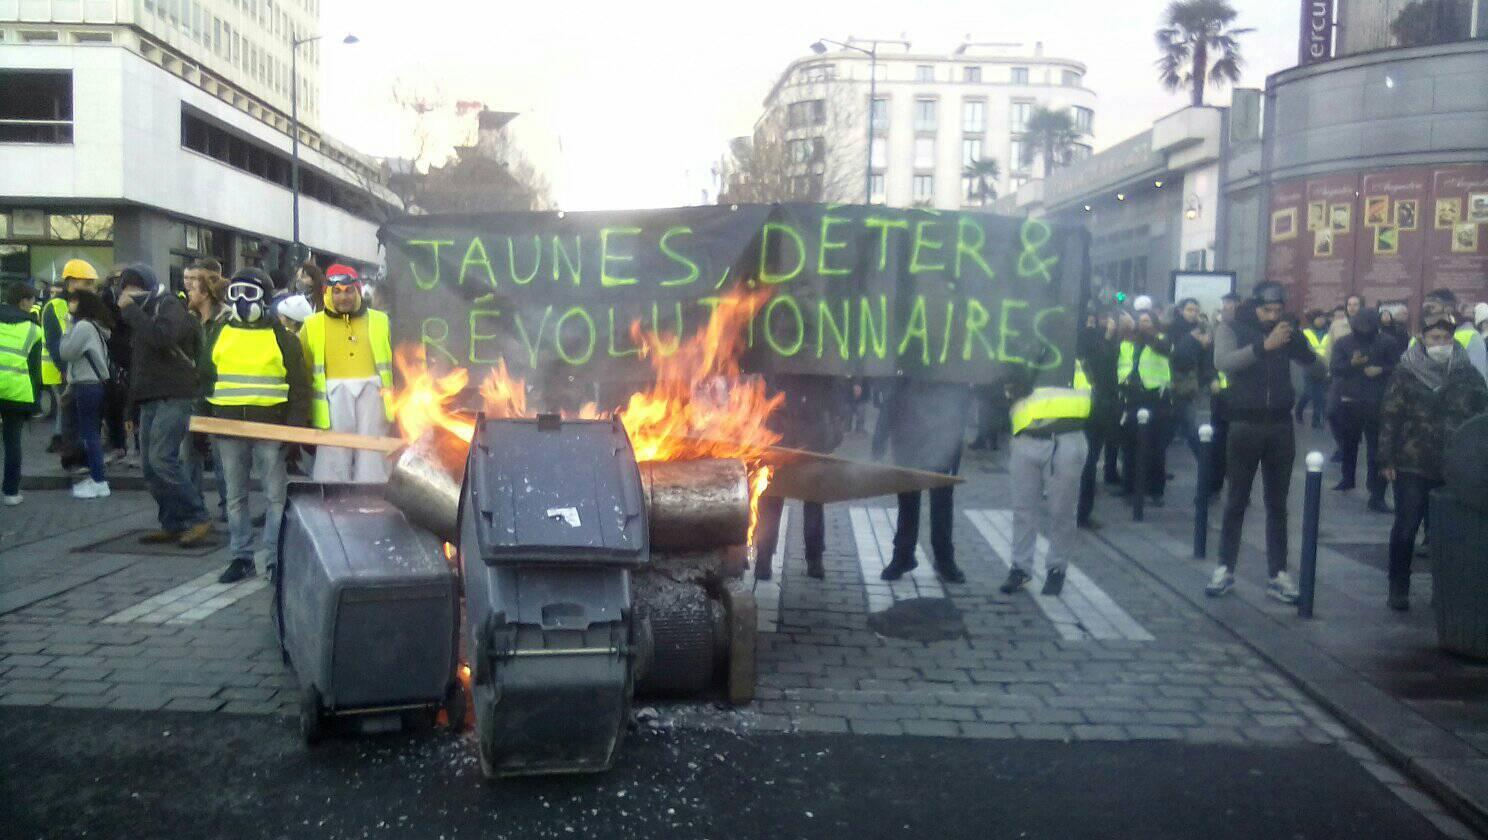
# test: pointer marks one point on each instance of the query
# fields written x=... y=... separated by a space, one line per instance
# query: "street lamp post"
x=872 y=52
x=294 y=129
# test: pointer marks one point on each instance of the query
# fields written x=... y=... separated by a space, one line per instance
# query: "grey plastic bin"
x=1459 y=574
x=366 y=606
x=552 y=520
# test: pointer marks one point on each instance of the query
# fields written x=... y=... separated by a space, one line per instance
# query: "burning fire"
x=701 y=405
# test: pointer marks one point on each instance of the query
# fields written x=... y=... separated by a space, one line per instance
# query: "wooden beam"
x=294 y=434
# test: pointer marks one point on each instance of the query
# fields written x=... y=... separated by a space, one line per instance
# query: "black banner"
x=852 y=290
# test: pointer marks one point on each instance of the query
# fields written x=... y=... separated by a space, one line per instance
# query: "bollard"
x=1139 y=500
x=1311 y=507
x=1201 y=498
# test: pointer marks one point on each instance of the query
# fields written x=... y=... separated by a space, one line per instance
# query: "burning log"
x=696 y=504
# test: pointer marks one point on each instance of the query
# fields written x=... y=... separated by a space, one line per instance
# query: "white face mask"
x=1440 y=354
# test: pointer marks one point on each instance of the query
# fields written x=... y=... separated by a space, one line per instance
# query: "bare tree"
x=809 y=149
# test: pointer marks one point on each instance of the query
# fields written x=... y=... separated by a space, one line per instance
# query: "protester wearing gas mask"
x=348 y=347
x=1434 y=390
x=252 y=369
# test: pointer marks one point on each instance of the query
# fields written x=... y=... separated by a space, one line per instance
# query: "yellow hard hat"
x=79 y=270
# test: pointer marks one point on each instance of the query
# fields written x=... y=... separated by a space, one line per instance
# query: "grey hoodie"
x=85 y=350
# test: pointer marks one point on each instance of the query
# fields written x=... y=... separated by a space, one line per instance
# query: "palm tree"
x=984 y=174
x=1049 y=135
x=1199 y=44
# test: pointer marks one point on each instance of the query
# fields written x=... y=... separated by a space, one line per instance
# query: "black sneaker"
x=1379 y=506
x=1015 y=581
x=950 y=572
x=1155 y=501
x=1053 y=582
x=814 y=567
x=1344 y=486
x=238 y=570
x=1088 y=524
x=897 y=567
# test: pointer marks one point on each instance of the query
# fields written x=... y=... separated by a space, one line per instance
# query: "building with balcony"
x=158 y=131
x=933 y=113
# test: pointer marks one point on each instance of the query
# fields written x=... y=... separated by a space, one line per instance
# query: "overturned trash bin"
x=552 y=524
x=366 y=608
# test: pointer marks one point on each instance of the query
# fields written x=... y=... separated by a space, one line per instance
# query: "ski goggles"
x=250 y=292
x=343 y=280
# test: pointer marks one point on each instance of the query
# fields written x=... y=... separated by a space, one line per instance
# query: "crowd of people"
x=127 y=361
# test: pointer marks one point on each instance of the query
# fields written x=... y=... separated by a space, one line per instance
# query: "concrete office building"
x=932 y=114
x=1364 y=169
x=158 y=131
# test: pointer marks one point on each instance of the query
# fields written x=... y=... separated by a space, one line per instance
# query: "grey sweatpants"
x=1039 y=466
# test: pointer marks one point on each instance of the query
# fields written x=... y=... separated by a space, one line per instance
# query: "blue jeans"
x=162 y=428
x=196 y=463
x=238 y=458
x=87 y=399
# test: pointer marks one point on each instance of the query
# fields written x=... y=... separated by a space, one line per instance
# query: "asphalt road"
x=75 y=773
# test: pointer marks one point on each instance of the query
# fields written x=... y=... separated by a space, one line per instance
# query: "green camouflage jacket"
x=1415 y=420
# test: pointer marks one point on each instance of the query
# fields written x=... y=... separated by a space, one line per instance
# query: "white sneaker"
x=1221 y=583
x=85 y=489
x=12 y=501
x=101 y=490
x=1282 y=589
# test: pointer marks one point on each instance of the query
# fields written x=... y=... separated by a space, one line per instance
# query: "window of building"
x=1072 y=78
x=807 y=112
x=924 y=189
x=971 y=150
x=971 y=74
x=924 y=72
x=805 y=150
x=216 y=34
x=819 y=73
x=924 y=153
x=924 y=115
x=880 y=151
x=973 y=116
x=969 y=191
x=1021 y=112
x=209 y=138
x=1020 y=75
x=808 y=187
x=81 y=227
x=1016 y=150
x=1018 y=181
x=876 y=188
x=1084 y=118
x=880 y=114
x=35 y=106
x=1080 y=151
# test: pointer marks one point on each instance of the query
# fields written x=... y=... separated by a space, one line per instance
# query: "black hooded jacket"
x=1378 y=350
x=1260 y=380
x=164 y=343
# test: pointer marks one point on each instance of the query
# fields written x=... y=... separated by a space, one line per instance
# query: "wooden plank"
x=293 y=434
x=812 y=477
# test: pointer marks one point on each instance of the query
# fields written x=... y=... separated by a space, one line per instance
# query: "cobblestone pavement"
x=1006 y=667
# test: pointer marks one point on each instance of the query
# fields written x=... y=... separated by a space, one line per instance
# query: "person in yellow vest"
x=1315 y=389
x=1045 y=460
x=20 y=379
x=77 y=275
x=253 y=369
x=348 y=347
x=1145 y=375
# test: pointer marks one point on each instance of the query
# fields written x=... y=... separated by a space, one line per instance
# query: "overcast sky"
x=628 y=104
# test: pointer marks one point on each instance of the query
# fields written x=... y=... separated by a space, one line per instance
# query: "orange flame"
x=700 y=406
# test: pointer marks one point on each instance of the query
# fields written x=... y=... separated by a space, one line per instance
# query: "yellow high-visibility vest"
x=50 y=373
x=1153 y=368
x=1319 y=345
x=250 y=368
x=1046 y=404
x=312 y=336
x=16 y=341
